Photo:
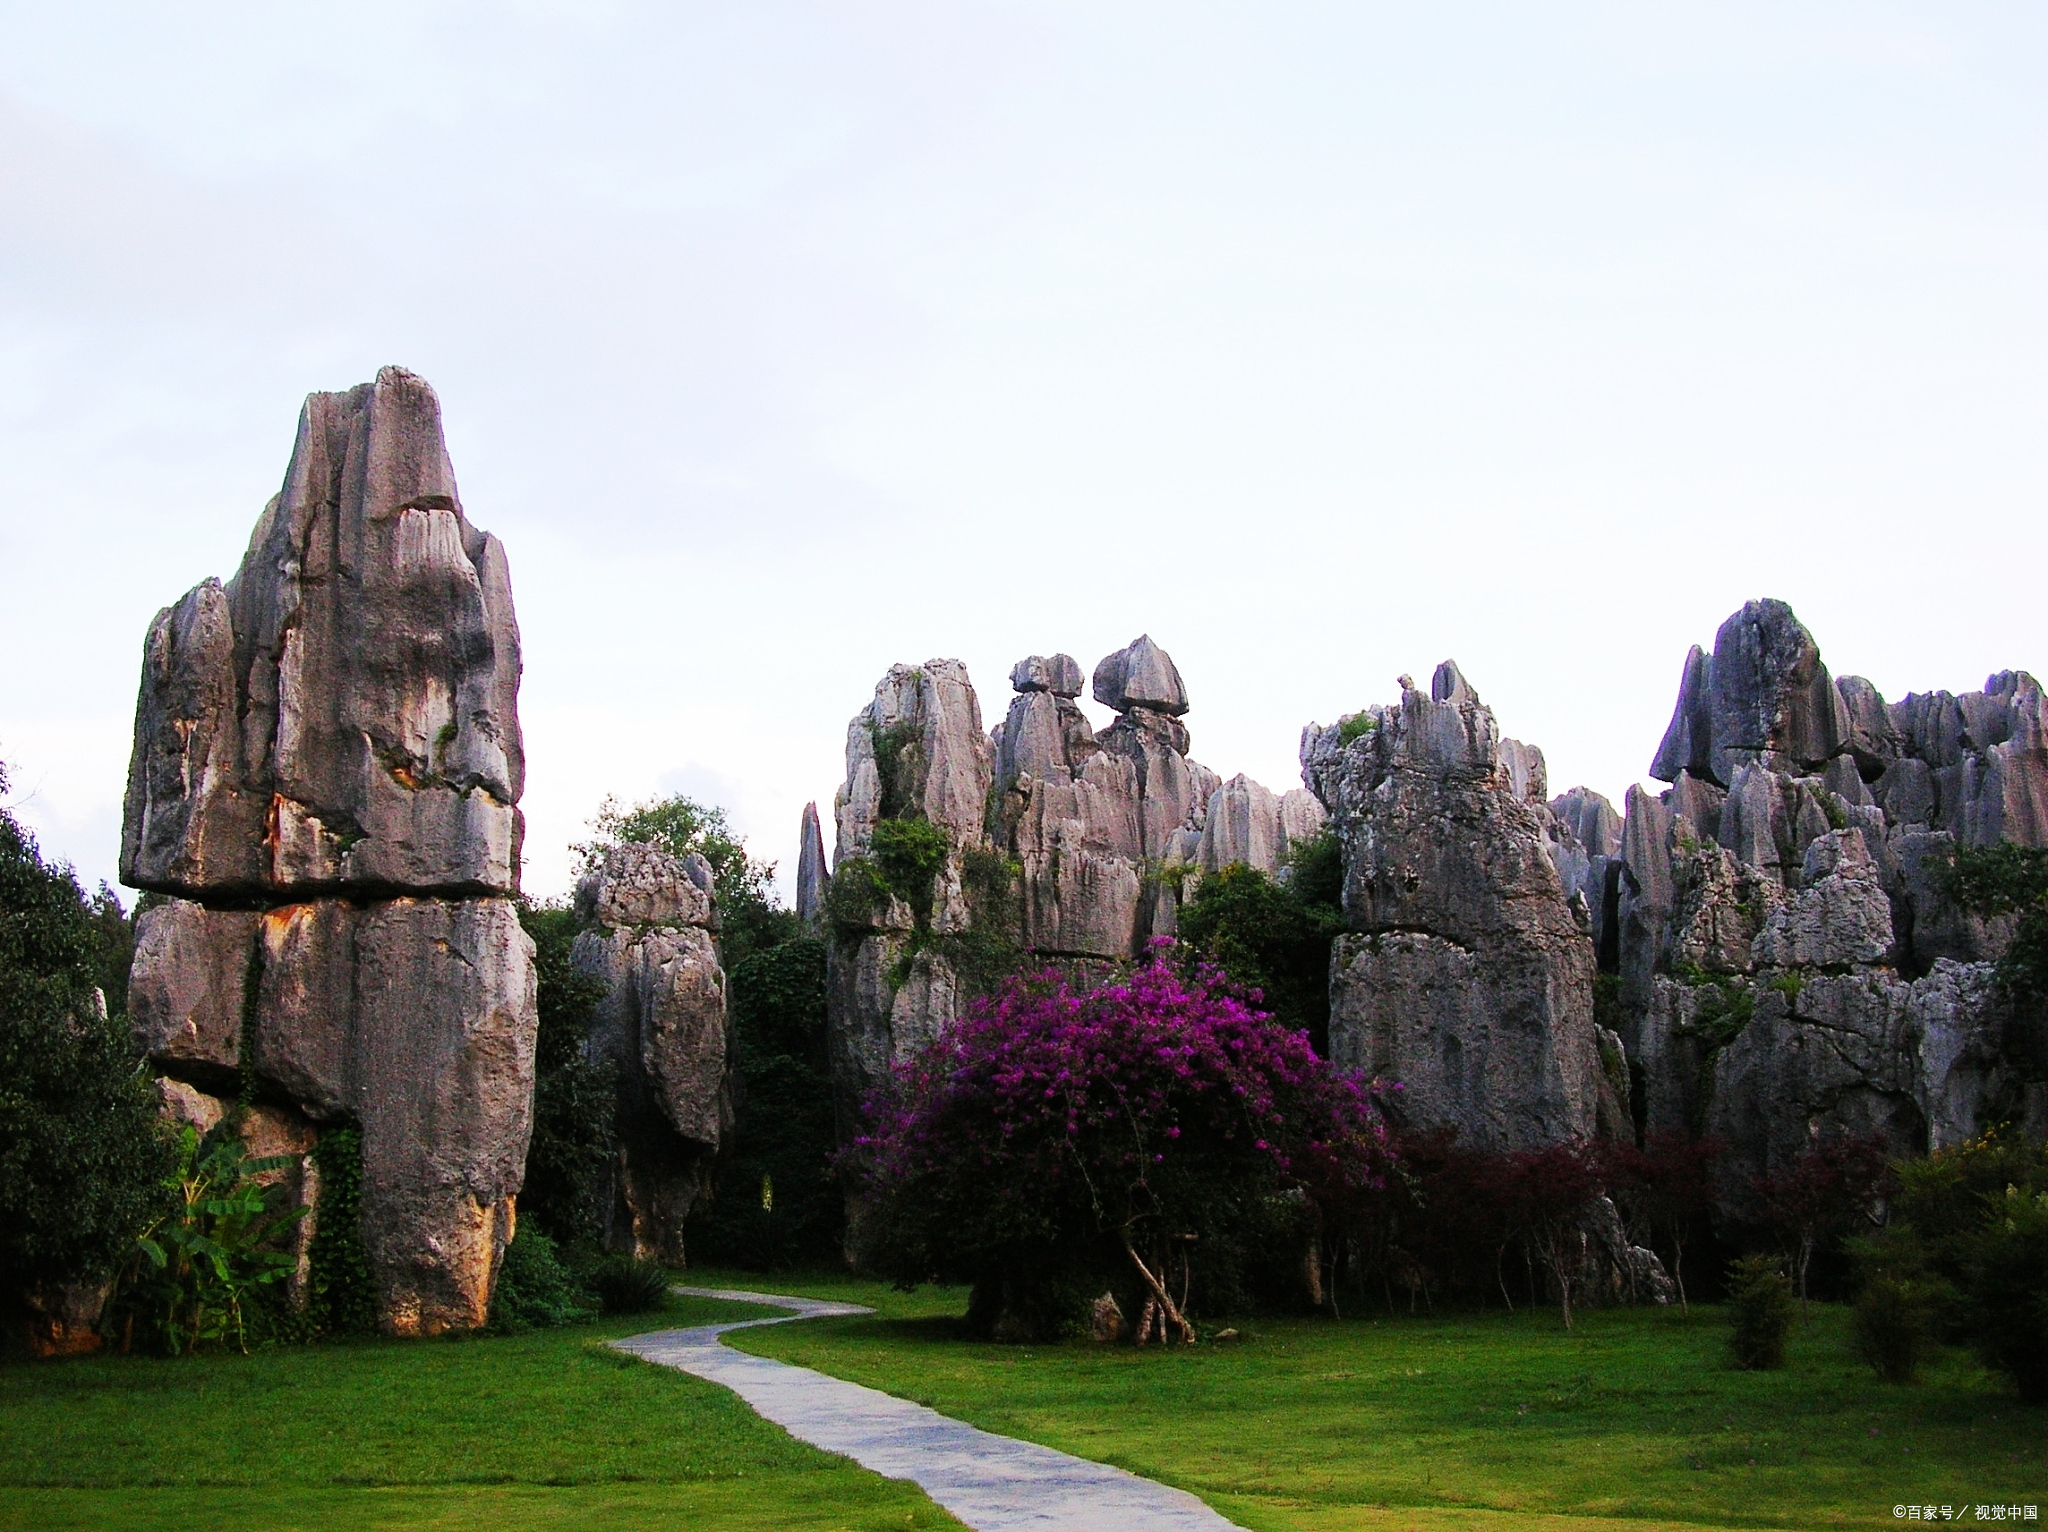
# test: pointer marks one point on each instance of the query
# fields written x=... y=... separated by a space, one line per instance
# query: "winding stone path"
x=992 y=1483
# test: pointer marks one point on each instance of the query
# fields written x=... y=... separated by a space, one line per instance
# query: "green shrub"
x=1760 y=1308
x=623 y=1285
x=910 y=853
x=1893 y=1325
x=858 y=893
x=197 y=1269
x=1275 y=936
x=535 y=1290
x=1356 y=727
x=82 y=1163
x=2005 y=1292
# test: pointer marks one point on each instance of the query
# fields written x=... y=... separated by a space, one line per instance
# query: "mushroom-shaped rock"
x=1141 y=675
x=1059 y=674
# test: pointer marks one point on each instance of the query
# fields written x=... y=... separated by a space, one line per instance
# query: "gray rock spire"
x=325 y=779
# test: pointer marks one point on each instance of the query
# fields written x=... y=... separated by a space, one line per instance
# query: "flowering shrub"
x=1139 y=1135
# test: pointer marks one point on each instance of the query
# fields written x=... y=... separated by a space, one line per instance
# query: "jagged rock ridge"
x=1468 y=973
x=1790 y=964
x=1057 y=842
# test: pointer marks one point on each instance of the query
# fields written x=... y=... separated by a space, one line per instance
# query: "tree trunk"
x=1172 y=1315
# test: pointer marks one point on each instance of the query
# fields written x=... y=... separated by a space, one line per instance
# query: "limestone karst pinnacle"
x=325 y=782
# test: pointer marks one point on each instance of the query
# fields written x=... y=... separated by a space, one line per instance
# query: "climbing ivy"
x=342 y=1299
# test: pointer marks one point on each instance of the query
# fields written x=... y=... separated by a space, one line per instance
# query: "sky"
x=780 y=342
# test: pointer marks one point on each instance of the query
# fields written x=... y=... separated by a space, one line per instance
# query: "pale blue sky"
x=783 y=341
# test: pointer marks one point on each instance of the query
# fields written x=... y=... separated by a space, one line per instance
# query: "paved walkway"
x=992 y=1483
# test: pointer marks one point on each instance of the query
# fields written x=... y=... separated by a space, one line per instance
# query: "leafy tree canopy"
x=1274 y=936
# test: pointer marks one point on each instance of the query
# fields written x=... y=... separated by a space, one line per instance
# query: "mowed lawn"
x=1478 y=1421
x=542 y=1431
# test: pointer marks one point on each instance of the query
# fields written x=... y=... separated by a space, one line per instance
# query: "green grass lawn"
x=548 y=1430
x=1476 y=1421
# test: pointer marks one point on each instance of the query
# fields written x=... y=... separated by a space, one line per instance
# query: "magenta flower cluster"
x=1051 y=1111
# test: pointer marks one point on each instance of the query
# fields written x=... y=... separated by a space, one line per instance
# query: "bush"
x=1893 y=1326
x=82 y=1163
x=1272 y=936
x=198 y=1269
x=535 y=1290
x=623 y=1285
x=2006 y=1292
x=1761 y=1307
x=1058 y=1141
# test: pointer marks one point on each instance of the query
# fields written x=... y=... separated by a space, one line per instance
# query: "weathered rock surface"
x=1140 y=675
x=414 y=1018
x=813 y=873
x=917 y=749
x=343 y=713
x=1096 y=822
x=1791 y=966
x=1095 y=836
x=326 y=775
x=1466 y=976
x=1763 y=692
x=916 y=752
x=1246 y=824
x=663 y=1029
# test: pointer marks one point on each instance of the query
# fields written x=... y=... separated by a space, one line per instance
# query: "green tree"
x=777 y=1203
x=1274 y=935
x=2009 y=880
x=573 y=1101
x=750 y=917
x=82 y=1163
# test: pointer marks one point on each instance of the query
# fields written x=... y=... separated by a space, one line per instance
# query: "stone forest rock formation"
x=1050 y=840
x=1468 y=973
x=1790 y=967
x=915 y=756
x=1768 y=943
x=648 y=920
x=325 y=781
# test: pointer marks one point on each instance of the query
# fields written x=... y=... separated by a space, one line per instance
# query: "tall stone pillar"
x=325 y=785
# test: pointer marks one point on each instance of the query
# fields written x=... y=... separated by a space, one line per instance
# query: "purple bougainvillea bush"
x=1158 y=1136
